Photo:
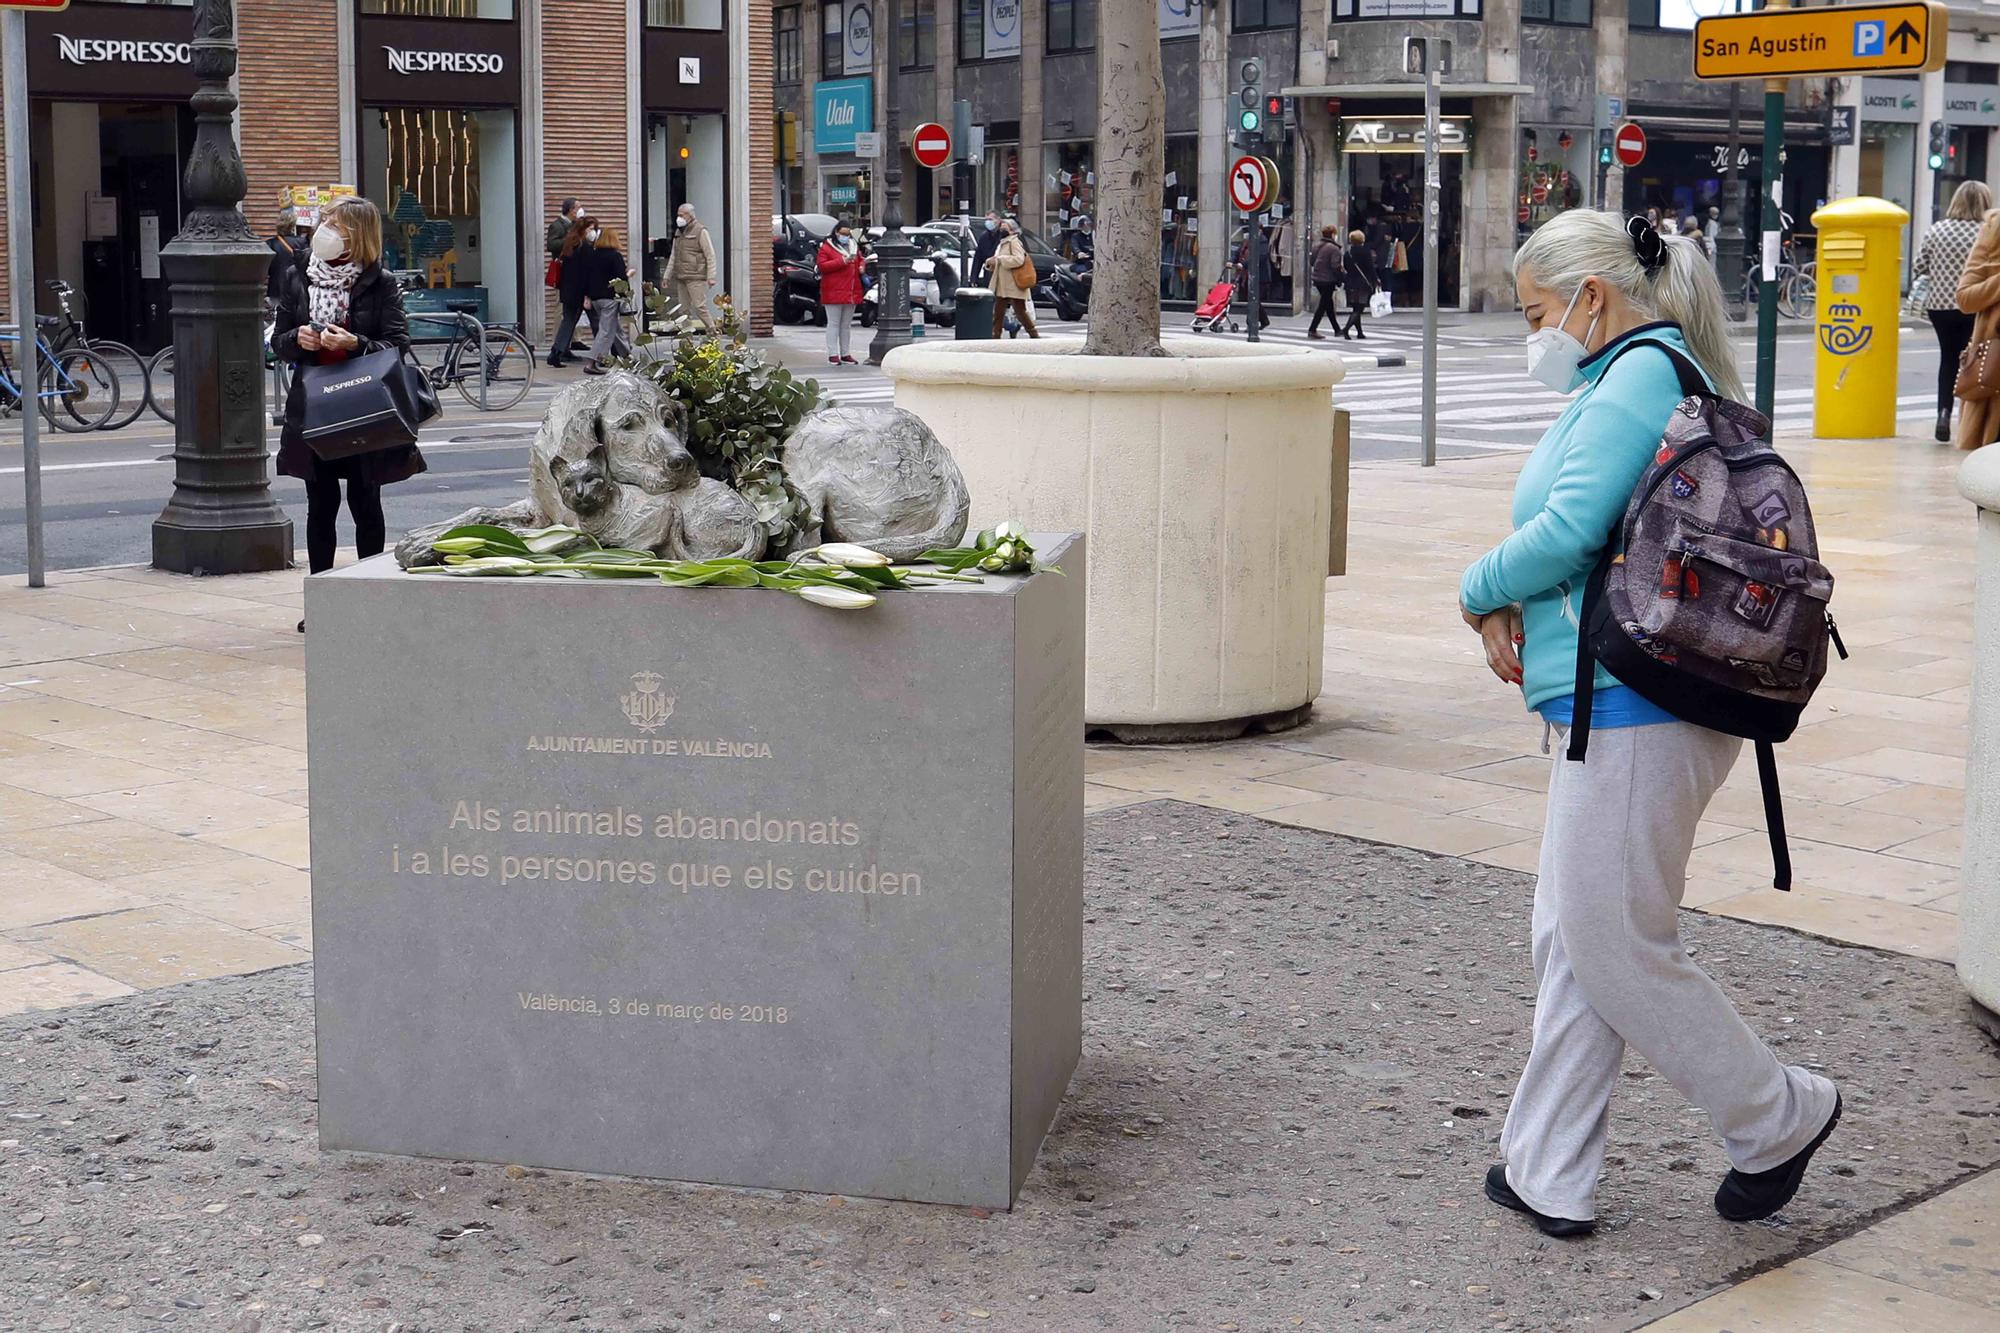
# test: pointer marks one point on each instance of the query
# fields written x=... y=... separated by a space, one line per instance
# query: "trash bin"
x=974 y=316
x=1858 y=318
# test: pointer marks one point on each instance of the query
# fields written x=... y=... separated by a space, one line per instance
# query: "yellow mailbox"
x=1858 y=319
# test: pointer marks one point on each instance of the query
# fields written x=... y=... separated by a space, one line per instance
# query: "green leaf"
x=501 y=537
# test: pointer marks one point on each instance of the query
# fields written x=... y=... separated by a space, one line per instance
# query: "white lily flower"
x=1003 y=531
x=840 y=599
x=849 y=556
x=993 y=564
x=1008 y=552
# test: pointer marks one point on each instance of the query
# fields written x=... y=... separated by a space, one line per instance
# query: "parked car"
x=934 y=272
x=1056 y=283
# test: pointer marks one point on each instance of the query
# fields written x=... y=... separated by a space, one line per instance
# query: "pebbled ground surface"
x=1298 y=1049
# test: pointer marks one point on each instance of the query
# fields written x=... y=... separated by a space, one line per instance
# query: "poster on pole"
x=857 y=39
x=1179 y=18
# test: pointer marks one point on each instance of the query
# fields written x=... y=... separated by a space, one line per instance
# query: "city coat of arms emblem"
x=645 y=707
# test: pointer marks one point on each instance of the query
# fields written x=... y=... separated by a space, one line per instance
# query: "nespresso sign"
x=131 y=52
x=437 y=62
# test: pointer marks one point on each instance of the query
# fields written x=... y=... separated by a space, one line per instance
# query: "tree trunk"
x=1131 y=160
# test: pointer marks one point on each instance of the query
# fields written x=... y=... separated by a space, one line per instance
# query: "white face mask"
x=328 y=244
x=1554 y=354
x=991 y=224
x=592 y=235
x=682 y=220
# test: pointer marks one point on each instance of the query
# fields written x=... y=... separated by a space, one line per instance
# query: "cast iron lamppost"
x=222 y=518
x=1729 y=236
x=893 y=255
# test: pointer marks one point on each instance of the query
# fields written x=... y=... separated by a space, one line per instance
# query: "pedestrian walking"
x=691 y=271
x=840 y=266
x=287 y=251
x=1610 y=968
x=1979 y=297
x=1326 y=268
x=1941 y=262
x=573 y=287
x=340 y=303
x=1256 y=250
x=1363 y=281
x=989 y=241
x=559 y=228
x=1013 y=288
x=605 y=265
x=553 y=240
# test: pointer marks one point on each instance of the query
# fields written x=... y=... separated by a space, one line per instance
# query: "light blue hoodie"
x=1571 y=493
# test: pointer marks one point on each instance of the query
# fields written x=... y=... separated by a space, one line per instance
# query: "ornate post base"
x=222 y=518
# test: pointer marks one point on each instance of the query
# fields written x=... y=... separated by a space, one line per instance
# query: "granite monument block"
x=701 y=884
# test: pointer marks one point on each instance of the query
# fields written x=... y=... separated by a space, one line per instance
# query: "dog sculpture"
x=610 y=459
x=878 y=477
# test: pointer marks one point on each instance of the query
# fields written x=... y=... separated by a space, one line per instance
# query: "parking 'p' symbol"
x=1868 y=37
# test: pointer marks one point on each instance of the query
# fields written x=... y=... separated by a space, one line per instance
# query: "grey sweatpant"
x=1610 y=970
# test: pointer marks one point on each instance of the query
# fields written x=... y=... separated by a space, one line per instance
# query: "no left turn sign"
x=1252 y=183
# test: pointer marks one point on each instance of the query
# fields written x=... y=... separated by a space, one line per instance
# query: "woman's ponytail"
x=1685 y=291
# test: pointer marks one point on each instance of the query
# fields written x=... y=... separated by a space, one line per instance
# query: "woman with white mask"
x=1603 y=299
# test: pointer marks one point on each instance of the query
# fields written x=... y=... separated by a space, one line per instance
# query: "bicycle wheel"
x=510 y=369
x=160 y=384
x=130 y=370
x=79 y=390
x=1800 y=296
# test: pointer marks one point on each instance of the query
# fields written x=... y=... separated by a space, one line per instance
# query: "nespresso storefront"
x=440 y=107
x=684 y=79
x=107 y=168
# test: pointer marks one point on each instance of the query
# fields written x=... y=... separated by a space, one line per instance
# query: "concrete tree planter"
x=1979 y=909
x=1205 y=481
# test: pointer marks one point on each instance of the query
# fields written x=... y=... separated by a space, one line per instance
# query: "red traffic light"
x=1274 y=106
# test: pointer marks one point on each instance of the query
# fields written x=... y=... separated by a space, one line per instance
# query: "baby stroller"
x=1212 y=315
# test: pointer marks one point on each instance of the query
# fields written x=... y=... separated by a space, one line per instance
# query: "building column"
x=1845 y=167
x=810 y=74
x=1923 y=191
x=1614 y=45
x=350 y=103
x=1034 y=44
x=753 y=113
x=1488 y=220
x=1212 y=229
x=539 y=316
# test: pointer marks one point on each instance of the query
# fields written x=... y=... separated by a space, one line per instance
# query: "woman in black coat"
x=340 y=303
x=605 y=264
x=1362 y=281
x=573 y=286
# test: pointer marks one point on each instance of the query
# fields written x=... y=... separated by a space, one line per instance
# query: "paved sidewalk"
x=152 y=766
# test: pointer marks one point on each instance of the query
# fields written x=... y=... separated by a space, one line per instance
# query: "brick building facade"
x=467 y=121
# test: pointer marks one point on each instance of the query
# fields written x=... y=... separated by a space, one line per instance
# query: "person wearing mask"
x=1256 y=250
x=1083 y=244
x=1600 y=298
x=573 y=288
x=840 y=266
x=559 y=228
x=691 y=269
x=1941 y=261
x=605 y=265
x=288 y=248
x=1009 y=295
x=989 y=241
x=1326 y=271
x=553 y=241
x=1363 y=281
x=340 y=303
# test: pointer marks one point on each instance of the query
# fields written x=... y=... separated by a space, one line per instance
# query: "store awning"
x=1345 y=90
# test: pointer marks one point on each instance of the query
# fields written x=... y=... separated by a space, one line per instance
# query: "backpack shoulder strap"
x=1694 y=384
x=1774 y=816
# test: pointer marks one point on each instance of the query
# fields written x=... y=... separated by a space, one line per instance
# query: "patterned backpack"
x=1710 y=600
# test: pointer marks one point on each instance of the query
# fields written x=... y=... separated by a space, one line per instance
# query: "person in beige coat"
x=1979 y=296
x=691 y=271
x=1008 y=293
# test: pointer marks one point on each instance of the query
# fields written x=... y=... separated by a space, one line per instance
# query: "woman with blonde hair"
x=1617 y=313
x=1941 y=262
x=603 y=264
x=340 y=303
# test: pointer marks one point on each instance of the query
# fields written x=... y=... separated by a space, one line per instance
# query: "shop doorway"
x=687 y=162
x=445 y=179
x=1385 y=200
x=108 y=176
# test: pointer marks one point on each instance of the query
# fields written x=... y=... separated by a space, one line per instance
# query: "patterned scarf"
x=328 y=287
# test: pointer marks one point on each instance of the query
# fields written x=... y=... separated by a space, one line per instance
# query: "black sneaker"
x=1752 y=1196
x=1562 y=1228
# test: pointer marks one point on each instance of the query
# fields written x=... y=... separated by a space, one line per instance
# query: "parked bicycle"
x=509 y=358
x=160 y=384
x=76 y=390
x=67 y=332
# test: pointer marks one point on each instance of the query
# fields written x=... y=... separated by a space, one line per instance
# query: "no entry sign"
x=1629 y=145
x=930 y=144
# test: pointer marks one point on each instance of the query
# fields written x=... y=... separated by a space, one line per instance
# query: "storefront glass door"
x=444 y=179
x=686 y=163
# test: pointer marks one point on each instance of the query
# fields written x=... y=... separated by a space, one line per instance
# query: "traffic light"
x=1250 y=99
x=1938 y=145
x=1280 y=116
x=1604 y=148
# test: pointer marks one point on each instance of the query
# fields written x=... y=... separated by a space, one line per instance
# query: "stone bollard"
x=1979 y=910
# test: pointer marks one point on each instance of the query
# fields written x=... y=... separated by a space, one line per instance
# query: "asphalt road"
x=102 y=492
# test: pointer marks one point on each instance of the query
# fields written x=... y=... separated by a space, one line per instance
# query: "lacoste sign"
x=445 y=62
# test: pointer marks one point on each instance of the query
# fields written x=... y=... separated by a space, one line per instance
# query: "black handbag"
x=365 y=403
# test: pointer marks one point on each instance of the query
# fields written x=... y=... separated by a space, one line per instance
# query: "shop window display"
x=445 y=182
x=1069 y=195
x=1180 y=206
x=1554 y=162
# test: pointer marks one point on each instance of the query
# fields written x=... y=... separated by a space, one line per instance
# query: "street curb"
x=1376 y=361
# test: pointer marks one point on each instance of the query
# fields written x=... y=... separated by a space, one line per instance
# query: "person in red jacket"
x=840 y=265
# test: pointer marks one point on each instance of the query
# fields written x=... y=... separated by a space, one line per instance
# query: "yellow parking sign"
x=1842 y=39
